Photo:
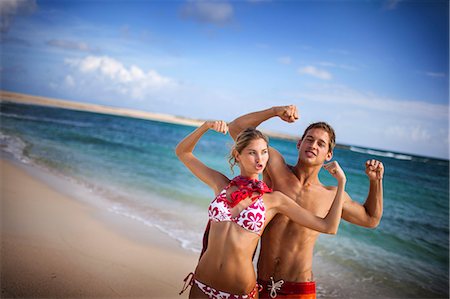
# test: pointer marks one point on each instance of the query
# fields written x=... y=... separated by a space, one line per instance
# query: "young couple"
x=292 y=212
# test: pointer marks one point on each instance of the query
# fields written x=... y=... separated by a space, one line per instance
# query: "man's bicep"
x=234 y=130
x=276 y=165
x=354 y=212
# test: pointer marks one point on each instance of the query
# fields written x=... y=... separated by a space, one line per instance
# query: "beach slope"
x=80 y=106
x=55 y=246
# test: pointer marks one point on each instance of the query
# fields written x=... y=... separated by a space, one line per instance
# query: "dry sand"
x=36 y=100
x=30 y=99
x=53 y=246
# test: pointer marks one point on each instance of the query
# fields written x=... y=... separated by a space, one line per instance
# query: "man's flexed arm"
x=254 y=119
x=276 y=167
x=369 y=214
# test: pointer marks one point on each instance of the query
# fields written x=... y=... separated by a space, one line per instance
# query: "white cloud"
x=327 y=64
x=391 y=4
x=342 y=95
x=415 y=134
x=69 y=81
x=315 y=72
x=339 y=51
x=207 y=11
x=369 y=120
x=70 y=45
x=10 y=8
x=131 y=81
x=285 y=60
x=419 y=134
x=435 y=75
x=262 y=46
x=334 y=65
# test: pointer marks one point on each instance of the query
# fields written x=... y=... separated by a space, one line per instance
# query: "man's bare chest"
x=315 y=199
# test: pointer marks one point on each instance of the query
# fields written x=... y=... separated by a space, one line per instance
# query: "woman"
x=240 y=211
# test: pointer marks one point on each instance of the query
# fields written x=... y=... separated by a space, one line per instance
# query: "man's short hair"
x=327 y=128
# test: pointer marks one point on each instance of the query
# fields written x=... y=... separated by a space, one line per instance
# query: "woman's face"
x=253 y=158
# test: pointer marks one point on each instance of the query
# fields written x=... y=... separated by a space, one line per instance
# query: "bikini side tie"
x=188 y=281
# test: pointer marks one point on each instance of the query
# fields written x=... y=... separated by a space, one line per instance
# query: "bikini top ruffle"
x=253 y=217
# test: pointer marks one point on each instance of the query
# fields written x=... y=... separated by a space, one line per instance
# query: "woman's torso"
x=227 y=263
x=234 y=234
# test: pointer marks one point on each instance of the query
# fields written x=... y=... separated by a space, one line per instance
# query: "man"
x=285 y=260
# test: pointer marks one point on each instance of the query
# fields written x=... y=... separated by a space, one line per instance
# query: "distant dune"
x=37 y=100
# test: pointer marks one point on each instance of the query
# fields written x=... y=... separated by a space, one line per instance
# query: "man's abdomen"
x=286 y=251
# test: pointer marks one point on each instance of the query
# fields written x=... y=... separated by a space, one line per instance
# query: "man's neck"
x=307 y=174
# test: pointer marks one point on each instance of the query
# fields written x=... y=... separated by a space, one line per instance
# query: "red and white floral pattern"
x=215 y=294
x=251 y=218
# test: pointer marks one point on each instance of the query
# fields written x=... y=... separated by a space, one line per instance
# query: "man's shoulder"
x=326 y=190
x=330 y=192
x=329 y=188
x=280 y=171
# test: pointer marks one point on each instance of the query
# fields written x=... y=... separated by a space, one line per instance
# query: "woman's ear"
x=299 y=142
x=236 y=155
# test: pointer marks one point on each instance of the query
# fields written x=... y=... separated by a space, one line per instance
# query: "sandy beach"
x=54 y=246
x=44 y=101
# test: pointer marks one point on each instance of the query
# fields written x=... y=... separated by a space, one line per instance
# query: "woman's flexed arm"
x=300 y=215
x=185 y=149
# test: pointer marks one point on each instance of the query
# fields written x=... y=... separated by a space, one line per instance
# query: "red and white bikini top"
x=253 y=217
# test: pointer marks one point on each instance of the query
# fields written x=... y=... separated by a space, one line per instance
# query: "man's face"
x=313 y=149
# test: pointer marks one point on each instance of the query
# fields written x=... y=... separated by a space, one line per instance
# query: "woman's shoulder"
x=222 y=184
x=274 y=196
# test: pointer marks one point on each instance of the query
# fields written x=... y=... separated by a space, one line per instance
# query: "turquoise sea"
x=130 y=164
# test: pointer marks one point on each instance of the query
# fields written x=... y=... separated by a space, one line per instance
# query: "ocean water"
x=130 y=164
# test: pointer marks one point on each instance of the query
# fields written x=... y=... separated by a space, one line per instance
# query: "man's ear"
x=299 y=142
x=329 y=156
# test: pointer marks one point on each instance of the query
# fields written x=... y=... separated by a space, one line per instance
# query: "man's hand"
x=336 y=171
x=374 y=169
x=287 y=113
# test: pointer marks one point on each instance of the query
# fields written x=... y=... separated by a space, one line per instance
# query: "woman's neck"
x=250 y=176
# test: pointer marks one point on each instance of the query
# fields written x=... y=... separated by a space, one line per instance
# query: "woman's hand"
x=218 y=126
x=287 y=113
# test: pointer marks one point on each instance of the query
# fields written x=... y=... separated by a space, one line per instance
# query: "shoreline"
x=57 y=246
x=80 y=106
x=21 y=98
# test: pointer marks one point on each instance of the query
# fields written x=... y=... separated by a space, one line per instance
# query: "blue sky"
x=377 y=71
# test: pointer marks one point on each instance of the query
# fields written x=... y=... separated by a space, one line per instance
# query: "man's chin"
x=311 y=161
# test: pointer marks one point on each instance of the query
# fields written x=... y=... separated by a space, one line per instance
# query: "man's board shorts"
x=287 y=290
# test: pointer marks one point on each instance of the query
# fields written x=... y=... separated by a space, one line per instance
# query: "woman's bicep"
x=300 y=215
x=209 y=176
